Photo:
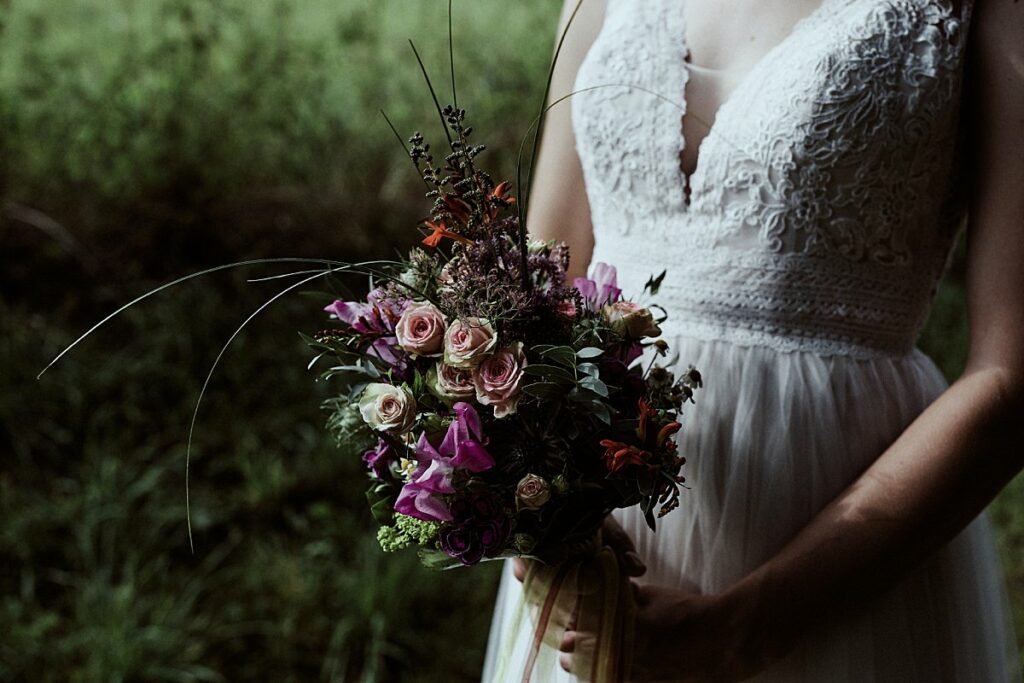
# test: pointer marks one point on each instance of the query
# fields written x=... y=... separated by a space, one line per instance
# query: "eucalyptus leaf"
x=595 y=385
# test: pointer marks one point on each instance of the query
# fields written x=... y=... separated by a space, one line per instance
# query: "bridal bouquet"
x=508 y=409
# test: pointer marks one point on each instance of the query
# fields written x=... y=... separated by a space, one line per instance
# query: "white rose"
x=388 y=408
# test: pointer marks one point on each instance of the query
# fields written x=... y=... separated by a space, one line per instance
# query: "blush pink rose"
x=451 y=382
x=532 y=492
x=467 y=341
x=420 y=330
x=497 y=379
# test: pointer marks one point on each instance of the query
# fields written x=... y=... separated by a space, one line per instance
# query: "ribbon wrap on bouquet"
x=593 y=587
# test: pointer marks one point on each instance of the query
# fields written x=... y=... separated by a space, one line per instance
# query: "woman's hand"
x=686 y=636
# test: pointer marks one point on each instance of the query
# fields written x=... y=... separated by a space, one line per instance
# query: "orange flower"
x=458 y=208
x=646 y=413
x=498 y=199
x=618 y=455
x=439 y=232
x=668 y=430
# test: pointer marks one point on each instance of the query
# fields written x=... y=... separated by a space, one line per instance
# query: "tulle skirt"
x=773 y=438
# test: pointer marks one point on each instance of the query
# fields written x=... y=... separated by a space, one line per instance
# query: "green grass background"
x=145 y=139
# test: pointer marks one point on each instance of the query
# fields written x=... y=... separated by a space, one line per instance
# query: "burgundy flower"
x=480 y=528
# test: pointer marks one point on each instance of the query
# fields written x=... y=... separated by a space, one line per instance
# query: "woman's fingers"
x=565 y=661
x=518 y=569
x=618 y=540
x=568 y=642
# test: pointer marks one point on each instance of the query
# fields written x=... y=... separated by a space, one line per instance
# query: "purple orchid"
x=378 y=314
x=601 y=288
x=379 y=458
x=376 y=318
x=461 y=449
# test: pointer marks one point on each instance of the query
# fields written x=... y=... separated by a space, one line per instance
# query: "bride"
x=801 y=168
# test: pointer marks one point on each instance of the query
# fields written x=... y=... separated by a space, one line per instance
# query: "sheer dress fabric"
x=802 y=257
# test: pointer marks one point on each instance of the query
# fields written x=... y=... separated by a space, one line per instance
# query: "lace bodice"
x=826 y=196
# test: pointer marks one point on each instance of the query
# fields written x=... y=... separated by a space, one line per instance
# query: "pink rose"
x=420 y=330
x=452 y=382
x=631 y=320
x=467 y=341
x=532 y=492
x=497 y=379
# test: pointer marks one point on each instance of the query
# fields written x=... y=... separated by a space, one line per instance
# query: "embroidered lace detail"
x=825 y=198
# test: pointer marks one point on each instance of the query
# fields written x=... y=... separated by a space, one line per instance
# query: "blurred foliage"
x=144 y=139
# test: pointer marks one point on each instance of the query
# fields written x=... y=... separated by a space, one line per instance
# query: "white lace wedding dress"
x=802 y=257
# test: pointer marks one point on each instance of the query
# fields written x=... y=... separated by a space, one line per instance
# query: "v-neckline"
x=742 y=83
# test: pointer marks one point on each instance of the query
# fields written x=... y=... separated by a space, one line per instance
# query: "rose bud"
x=631 y=320
x=388 y=408
x=467 y=341
x=532 y=492
x=420 y=330
x=567 y=308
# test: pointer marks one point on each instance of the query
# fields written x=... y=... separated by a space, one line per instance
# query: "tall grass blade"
x=433 y=93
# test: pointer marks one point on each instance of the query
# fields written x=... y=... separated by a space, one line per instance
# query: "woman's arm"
x=558 y=207
x=950 y=463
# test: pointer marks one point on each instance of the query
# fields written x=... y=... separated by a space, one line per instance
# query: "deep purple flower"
x=378 y=314
x=480 y=528
x=379 y=458
x=600 y=289
x=462 y=448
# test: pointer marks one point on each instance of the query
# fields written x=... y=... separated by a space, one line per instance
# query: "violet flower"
x=379 y=458
x=601 y=288
x=461 y=449
x=376 y=318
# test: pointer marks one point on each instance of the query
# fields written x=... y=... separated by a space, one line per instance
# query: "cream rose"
x=631 y=320
x=420 y=330
x=388 y=408
x=467 y=341
x=497 y=378
x=532 y=492
x=451 y=382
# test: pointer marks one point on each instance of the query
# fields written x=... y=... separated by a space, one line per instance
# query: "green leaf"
x=590 y=352
x=654 y=283
x=588 y=369
x=551 y=372
x=545 y=390
x=595 y=385
x=563 y=355
x=602 y=412
x=435 y=559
